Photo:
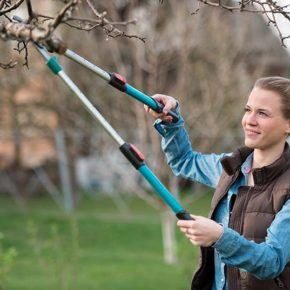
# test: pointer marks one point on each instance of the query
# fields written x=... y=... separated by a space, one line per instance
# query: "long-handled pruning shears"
x=134 y=156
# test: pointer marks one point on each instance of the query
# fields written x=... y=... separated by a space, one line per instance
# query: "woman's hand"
x=201 y=231
x=169 y=104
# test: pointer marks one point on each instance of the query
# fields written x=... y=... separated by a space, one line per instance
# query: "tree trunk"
x=168 y=223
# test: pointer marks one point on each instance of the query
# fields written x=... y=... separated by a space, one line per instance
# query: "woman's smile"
x=252 y=133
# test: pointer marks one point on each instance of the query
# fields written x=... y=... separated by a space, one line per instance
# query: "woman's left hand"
x=201 y=231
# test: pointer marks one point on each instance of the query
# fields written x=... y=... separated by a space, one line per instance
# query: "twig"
x=11 y=8
x=62 y=14
x=10 y=64
x=29 y=10
x=2 y=3
x=109 y=27
x=19 y=49
x=269 y=8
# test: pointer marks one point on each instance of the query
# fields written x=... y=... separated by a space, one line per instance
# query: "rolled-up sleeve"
x=184 y=161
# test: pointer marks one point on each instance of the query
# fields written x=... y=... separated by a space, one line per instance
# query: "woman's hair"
x=282 y=87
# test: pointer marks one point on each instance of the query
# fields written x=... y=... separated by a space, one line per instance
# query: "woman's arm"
x=183 y=160
x=266 y=260
x=204 y=168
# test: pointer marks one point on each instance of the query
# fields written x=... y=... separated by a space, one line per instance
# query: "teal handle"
x=162 y=191
x=141 y=97
x=149 y=101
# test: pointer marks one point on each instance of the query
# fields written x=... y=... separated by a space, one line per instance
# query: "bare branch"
x=11 y=8
x=2 y=3
x=26 y=32
x=42 y=32
x=109 y=27
x=270 y=9
x=10 y=64
x=63 y=14
x=22 y=46
x=29 y=10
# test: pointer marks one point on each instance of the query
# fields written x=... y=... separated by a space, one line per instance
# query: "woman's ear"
x=288 y=128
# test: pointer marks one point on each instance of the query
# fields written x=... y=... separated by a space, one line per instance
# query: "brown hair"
x=281 y=86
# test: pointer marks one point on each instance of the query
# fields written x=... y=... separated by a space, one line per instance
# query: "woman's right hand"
x=169 y=104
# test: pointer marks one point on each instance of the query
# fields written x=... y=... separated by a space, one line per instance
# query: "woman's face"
x=263 y=123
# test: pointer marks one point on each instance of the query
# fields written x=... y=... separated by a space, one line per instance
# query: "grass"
x=97 y=247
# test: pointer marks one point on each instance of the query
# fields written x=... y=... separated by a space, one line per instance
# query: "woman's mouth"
x=252 y=133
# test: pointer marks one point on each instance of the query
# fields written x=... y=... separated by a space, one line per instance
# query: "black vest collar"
x=261 y=175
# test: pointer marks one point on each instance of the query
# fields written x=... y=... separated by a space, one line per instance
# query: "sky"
x=283 y=24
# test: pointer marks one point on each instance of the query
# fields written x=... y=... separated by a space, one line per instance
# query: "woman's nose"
x=251 y=119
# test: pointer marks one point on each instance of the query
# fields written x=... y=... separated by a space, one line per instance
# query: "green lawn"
x=95 y=248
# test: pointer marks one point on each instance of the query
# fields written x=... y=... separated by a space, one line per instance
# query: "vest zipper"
x=239 y=223
x=280 y=283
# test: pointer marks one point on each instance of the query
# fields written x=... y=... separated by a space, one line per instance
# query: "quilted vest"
x=253 y=212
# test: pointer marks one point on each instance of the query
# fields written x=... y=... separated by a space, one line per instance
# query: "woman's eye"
x=263 y=114
x=246 y=110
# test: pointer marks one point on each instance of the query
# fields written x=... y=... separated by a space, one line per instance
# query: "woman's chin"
x=251 y=143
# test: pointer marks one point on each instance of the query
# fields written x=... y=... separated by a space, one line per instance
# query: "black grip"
x=184 y=215
x=159 y=109
x=134 y=156
x=117 y=81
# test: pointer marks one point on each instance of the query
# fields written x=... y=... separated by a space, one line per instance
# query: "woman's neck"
x=264 y=157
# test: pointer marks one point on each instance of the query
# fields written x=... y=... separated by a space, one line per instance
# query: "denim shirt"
x=265 y=260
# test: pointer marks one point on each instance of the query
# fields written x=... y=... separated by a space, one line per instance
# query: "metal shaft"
x=82 y=61
x=87 y=104
x=91 y=109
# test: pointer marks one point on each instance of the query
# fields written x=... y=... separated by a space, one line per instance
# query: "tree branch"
x=268 y=8
x=29 y=10
x=11 y=8
x=10 y=64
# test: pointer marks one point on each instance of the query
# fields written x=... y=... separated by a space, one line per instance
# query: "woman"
x=245 y=242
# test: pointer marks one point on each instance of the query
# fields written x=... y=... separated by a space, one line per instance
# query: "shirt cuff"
x=163 y=127
x=227 y=243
